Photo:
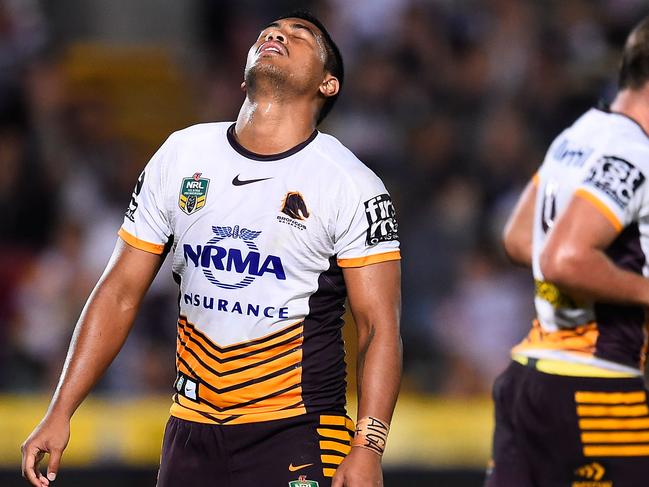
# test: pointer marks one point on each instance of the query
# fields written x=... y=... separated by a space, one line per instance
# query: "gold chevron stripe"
x=615 y=437
x=615 y=411
x=610 y=397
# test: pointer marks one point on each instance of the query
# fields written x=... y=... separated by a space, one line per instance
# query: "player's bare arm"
x=100 y=333
x=517 y=236
x=574 y=258
x=375 y=300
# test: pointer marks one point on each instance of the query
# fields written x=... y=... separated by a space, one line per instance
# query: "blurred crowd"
x=451 y=102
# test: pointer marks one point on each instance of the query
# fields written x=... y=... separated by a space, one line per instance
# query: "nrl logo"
x=303 y=482
x=193 y=193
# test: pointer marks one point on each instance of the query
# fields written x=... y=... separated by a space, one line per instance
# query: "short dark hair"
x=334 y=61
x=634 y=68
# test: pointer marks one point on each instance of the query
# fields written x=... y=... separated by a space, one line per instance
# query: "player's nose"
x=275 y=35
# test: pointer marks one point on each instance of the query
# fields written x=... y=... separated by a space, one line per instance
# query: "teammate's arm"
x=517 y=236
x=375 y=299
x=99 y=334
x=574 y=259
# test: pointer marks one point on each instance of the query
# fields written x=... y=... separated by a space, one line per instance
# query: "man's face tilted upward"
x=290 y=55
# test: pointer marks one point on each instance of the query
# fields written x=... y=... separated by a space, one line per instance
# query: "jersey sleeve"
x=616 y=187
x=146 y=223
x=367 y=230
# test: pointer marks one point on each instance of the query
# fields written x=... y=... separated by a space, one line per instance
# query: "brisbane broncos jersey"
x=604 y=158
x=258 y=245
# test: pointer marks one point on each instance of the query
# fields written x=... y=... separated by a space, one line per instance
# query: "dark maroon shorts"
x=305 y=449
x=561 y=431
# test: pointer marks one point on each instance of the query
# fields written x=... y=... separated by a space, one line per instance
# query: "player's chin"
x=269 y=68
x=273 y=60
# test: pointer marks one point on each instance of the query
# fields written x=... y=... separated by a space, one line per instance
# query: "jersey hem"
x=370 y=259
x=595 y=201
x=139 y=244
x=186 y=414
x=570 y=368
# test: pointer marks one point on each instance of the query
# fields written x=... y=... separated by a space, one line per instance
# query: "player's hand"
x=361 y=468
x=50 y=436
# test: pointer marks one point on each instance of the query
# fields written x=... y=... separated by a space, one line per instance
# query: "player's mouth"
x=273 y=48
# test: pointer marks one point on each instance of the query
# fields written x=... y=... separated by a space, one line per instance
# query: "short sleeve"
x=146 y=221
x=615 y=187
x=366 y=229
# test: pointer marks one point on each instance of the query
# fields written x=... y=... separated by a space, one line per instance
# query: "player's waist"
x=574 y=366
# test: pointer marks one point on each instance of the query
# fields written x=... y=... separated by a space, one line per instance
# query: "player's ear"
x=243 y=86
x=329 y=86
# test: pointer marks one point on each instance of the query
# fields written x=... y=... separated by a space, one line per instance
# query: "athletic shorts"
x=303 y=451
x=561 y=431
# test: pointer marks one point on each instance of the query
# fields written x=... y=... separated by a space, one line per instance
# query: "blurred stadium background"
x=452 y=102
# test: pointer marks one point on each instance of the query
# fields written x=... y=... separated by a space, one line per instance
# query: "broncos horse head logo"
x=294 y=206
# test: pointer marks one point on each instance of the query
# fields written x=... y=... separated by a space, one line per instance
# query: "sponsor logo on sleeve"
x=381 y=218
x=132 y=205
x=193 y=193
x=616 y=177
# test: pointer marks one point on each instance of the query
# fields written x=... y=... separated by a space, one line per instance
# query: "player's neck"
x=270 y=126
x=634 y=104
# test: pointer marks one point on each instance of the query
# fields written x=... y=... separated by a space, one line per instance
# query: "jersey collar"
x=234 y=143
x=606 y=108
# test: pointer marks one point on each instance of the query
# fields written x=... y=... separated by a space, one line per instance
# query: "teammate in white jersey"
x=572 y=407
x=271 y=226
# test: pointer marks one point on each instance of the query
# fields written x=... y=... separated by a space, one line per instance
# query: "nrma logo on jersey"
x=240 y=259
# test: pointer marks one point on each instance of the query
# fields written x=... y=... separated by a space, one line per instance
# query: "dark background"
x=452 y=103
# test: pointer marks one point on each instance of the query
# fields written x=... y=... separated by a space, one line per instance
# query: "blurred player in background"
x=271 y=226
x=571 y=409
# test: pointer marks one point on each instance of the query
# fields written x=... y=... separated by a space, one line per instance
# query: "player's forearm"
x=100 y=333
x=590 y=274
x=379 y=372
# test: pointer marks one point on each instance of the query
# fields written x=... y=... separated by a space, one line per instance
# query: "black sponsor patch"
x=616 y=177
x=132 y=205
x=381 y=219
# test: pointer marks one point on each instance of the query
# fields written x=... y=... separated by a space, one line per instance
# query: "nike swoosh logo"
x=291 y=468
x=238 y=182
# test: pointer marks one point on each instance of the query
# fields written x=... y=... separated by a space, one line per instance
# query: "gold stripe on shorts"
x=335 y=442
x=613 y=424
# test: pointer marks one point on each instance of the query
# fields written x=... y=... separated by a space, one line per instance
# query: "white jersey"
x=604 y=158
x=258 y=243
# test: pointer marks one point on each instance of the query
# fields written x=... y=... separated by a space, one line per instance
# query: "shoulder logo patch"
x=193 y=193
x=381 y=218
x=616 y=177
x=132 y=205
